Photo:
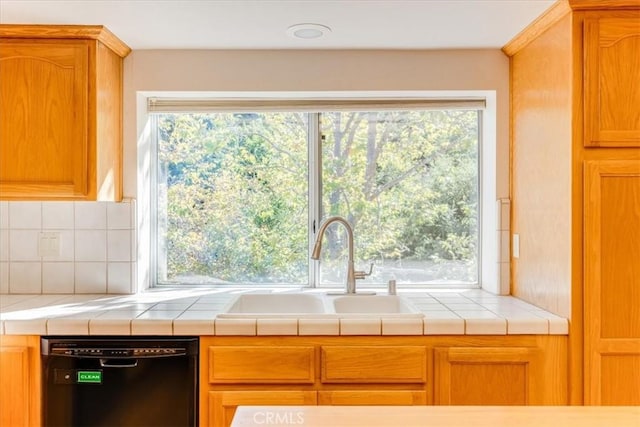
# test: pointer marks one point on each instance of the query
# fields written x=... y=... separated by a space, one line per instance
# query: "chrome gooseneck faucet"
x=352 y=275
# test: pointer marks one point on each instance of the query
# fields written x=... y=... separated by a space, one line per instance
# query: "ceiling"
x=262 y=24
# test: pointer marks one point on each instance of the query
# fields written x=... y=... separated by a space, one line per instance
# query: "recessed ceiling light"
x=307 y=31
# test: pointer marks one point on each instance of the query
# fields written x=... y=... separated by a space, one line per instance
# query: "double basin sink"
x=319 y=305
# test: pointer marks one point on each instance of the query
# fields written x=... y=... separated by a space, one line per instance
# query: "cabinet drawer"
x=374 y=364
x=223 y=404
x=372 y=397
x=261 y=365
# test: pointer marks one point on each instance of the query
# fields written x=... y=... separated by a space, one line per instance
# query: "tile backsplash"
x=67 y=247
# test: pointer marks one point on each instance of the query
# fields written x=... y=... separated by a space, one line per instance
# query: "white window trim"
x=489 y=257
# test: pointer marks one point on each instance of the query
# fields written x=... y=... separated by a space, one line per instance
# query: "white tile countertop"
x=194 y=311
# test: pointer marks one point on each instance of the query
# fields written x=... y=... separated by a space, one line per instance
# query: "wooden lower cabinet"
x=390 y=370
x=612 y=282
x=223 y=404
x=19 y=381
x=487 y=376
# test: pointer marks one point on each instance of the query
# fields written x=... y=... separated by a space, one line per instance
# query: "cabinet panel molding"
x=44 y=119
x=622 y=379
x=487 y=376
x=14 y=386
x=612 y=281
x=260 y=365
x=612 y=97
x=19 y=381
x=223 y=404
x=373 y=364
x=93 y=32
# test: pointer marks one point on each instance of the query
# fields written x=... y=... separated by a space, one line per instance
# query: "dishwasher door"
x=141 y=381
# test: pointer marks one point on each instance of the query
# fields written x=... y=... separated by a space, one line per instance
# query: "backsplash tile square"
x=4 y=277
x=25 y=277
x=90 y=216
x=96 y=251
x=58 y=277
x=57 y=216
x=24 y=245
x=119 y=216
x=90 y=277
x=118 y=245
x=4 y=245
x=119 y=277
x=4 y=215
x=25 y=215
x=91 y=245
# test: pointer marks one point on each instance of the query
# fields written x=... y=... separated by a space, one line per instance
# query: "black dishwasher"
x=125 y=382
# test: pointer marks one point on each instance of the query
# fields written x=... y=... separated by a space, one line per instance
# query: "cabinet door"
x=612 y=282
x=223 y=404
x=14 y=386
x=19 y=381
x=487 y=376
x=612 y=81
x=373 y=364
x=278 y=364
x=44 y=119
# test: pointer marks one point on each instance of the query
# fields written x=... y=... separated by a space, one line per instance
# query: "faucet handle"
x=362 y=274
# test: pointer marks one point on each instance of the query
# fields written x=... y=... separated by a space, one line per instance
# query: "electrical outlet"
x=515 y=246
x=49 y=244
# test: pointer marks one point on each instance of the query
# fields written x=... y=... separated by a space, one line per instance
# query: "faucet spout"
x=317 y=247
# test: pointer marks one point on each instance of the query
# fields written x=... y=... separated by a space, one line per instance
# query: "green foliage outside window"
x=233 y=196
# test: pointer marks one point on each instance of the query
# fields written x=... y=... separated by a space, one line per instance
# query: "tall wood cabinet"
x=612 y=281
x=575 y=183
x=60 y=113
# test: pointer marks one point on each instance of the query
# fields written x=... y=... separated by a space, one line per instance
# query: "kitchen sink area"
x=386 y=304
x=274 y=305
x=318 y=305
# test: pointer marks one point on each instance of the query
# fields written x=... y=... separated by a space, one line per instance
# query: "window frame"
x=488 y=243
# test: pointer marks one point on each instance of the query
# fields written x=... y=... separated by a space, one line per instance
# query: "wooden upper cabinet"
x=60 y=113
x=612 y=80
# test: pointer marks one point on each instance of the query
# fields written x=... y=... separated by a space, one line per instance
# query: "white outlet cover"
x=49 y=245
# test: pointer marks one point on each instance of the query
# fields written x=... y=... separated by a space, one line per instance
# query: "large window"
x=240 y=195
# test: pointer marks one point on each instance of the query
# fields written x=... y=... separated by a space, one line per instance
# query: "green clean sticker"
x=90 y=377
